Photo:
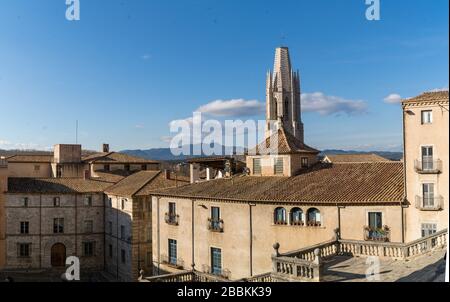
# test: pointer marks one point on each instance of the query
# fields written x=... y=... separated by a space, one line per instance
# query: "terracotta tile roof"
x=111 y=176
x=143 y=182
x=160 y=182
x=116 y=158
x=429 y=97
x=355 y=158
x=55 y=185
x=380 y=182
x=286 y=142
x=30 y=159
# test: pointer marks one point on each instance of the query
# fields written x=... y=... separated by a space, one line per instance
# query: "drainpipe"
x=193 y=245
x=404 y=178
x=158 y=234
x=250 y=205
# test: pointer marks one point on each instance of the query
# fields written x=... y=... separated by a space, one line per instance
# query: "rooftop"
x=30 y=158
x=355 y=158
x=116 y=158
x=143 y=182
x=352 y=183
x=286 y=143
x=436 y=96
x=56 y=185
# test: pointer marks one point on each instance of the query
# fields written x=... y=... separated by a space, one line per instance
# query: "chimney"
x=167 y=174
x=105 y=148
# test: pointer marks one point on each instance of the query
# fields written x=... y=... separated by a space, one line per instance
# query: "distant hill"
x=165 y=154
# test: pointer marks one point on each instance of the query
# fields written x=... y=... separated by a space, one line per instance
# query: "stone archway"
x=58 y=255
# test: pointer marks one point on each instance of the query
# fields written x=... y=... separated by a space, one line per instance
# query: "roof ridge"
x=147 y=182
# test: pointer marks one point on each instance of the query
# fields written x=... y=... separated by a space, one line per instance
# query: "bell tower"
x=283 y=107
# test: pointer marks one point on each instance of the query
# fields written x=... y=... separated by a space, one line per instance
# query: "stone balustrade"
x=186 y=276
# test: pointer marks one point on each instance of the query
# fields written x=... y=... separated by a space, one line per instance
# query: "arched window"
x=314 y=218
x=276 y=107
x=286 y=107
x=297 y=217
x=280 y=216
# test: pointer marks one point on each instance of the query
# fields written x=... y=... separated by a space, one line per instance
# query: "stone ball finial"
x=276 y=246
x=317 y=252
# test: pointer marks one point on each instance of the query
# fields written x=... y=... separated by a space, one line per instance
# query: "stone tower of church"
x=283 y=97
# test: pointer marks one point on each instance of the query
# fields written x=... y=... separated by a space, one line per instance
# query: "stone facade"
x=83 y=222
x=133 y=216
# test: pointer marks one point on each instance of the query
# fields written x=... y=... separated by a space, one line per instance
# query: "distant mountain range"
x=165 y=154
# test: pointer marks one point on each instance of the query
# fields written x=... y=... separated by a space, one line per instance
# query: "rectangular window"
x=110 y=249
x=428 y=195
x=88 y=226
x=88 y=249
x=216 y=261
x=427 y=117
x=58 y=172
x=172 y=208
x=106 y=168
x=123 y=257
x=24 y=249
x=56 y=202
x=24 y=227
x=110 y=227
x=110 y=202
x=257 y=166
x=88 y=201
x=122 y=205
x=37 y=168
x=58 y=225
x=127 y=168
x=427 y=158
x=172 y=251
x=375 y=220
x=279 y=166
x=25 y=201
x=144 y=167
x=305 y=162
x=149 y=259
x=122 y=232
x=428 y=229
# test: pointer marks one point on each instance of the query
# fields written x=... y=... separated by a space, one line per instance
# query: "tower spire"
x=283 y=96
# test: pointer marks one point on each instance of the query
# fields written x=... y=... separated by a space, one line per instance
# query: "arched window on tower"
x=275 y=101
x=286 y=107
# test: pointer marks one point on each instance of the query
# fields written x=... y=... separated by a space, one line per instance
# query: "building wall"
x=418 y=135
x=136 y=218
x=30 y=170
x=40 y=214
x=235 y=240
x=133 y=167
x=3 y=189
x=291 y=163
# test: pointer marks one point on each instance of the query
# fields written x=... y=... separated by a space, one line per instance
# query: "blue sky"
x=128 y=68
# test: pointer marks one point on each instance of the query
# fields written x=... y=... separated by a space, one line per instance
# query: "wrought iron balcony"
x=172 y=219
x=428 y=166
x=372 y=234
x=219 y=272
x=175 y=263
x=215 y=225
x=432 y=203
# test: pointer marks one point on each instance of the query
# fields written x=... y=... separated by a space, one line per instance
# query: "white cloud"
x=393 y=98
x=329 y=105
x=4 y=144
x=139 y=126
x=146 y=57
x=234 y=107
x=438 y=89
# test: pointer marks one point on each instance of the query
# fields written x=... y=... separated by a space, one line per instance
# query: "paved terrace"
x=425 y=268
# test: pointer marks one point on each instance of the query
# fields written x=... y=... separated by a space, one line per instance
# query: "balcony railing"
x=314 y=223
x=171 y=219
x=428 y=166
x=433 y=203
x=371 y=234
x=215 y=225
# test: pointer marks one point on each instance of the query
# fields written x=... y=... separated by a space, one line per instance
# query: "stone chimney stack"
x=106 y=148
x=167 y=174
